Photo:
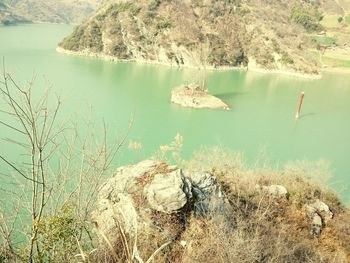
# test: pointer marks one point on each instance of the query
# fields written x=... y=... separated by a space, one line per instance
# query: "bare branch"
x=24 y=145
x=18 y=171
x=11 y=127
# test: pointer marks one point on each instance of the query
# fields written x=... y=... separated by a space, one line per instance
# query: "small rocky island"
x=193 y=96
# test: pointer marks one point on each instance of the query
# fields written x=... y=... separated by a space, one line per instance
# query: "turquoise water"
x=261 y=119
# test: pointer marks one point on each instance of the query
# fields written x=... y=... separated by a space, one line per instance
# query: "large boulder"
x=154 y=199
x=168 y=193
x=274 y=190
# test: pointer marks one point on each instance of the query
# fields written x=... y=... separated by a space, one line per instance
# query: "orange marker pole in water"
x=300 y=103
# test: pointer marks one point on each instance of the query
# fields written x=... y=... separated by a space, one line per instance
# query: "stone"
x=167 y=193
x=203 y=181
x=183 y=243
x=207 y=193
x=275 y=190
x=319 y=207
x=124 y=178
x=320 y=215
x=316 y=225
x=154 y=200
x=323 y=209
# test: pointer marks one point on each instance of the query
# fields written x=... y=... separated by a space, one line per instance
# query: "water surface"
x=262 y=115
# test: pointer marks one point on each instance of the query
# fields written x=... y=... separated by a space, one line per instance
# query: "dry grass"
x=261 y=228
x=267 y=229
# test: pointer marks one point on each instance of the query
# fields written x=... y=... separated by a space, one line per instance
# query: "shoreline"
x=153 y=62
x=141 y=61
x=287 y=73
x=338 y=70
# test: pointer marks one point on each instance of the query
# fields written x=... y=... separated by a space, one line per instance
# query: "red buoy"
x=300 y=103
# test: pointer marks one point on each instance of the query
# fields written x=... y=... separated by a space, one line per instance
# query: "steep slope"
x=53 y=11
x=268 y=35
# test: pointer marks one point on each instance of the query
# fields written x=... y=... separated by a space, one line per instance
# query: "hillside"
x=53 y=11
x=224 y=215
x=7 y=16
x=269 y=35
x=213 y=210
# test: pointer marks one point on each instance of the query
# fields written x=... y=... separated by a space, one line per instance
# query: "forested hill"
x=272 y=35
x=53 y=11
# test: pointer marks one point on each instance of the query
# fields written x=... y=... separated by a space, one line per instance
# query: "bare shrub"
x=53 y=185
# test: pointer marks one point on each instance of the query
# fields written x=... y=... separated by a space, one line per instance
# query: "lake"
x=261 y=119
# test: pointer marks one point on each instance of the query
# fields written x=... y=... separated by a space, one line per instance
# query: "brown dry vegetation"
x=260 y=227
x=234 y=31
x=266 y=229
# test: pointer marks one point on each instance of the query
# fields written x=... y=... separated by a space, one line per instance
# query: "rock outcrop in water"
x=192 y=96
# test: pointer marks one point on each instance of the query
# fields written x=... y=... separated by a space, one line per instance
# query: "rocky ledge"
x=153 y=201
x=192 y=96
x=152 y=206
x=136 y=192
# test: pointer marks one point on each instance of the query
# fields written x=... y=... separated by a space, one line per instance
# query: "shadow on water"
x=229 y=95
x=301 y=117
x=306 y=115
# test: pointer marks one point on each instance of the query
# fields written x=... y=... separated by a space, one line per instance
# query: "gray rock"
x=320 y=215
x=125 y=178
x=316 y=225
x=168 y=193
x=154 y=198
x=207 y=193
x=275 y=190
x=205 y=182
x=116 y=200
x=322 y=209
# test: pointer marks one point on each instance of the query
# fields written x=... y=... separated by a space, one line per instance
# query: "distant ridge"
x=51 y=11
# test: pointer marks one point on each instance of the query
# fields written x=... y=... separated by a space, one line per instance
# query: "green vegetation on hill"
x=308 y=17
x=92 y=39
x=347 y=19
x=333 y=41
x=209 y=33
x=324 y=41
x=336 y=62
